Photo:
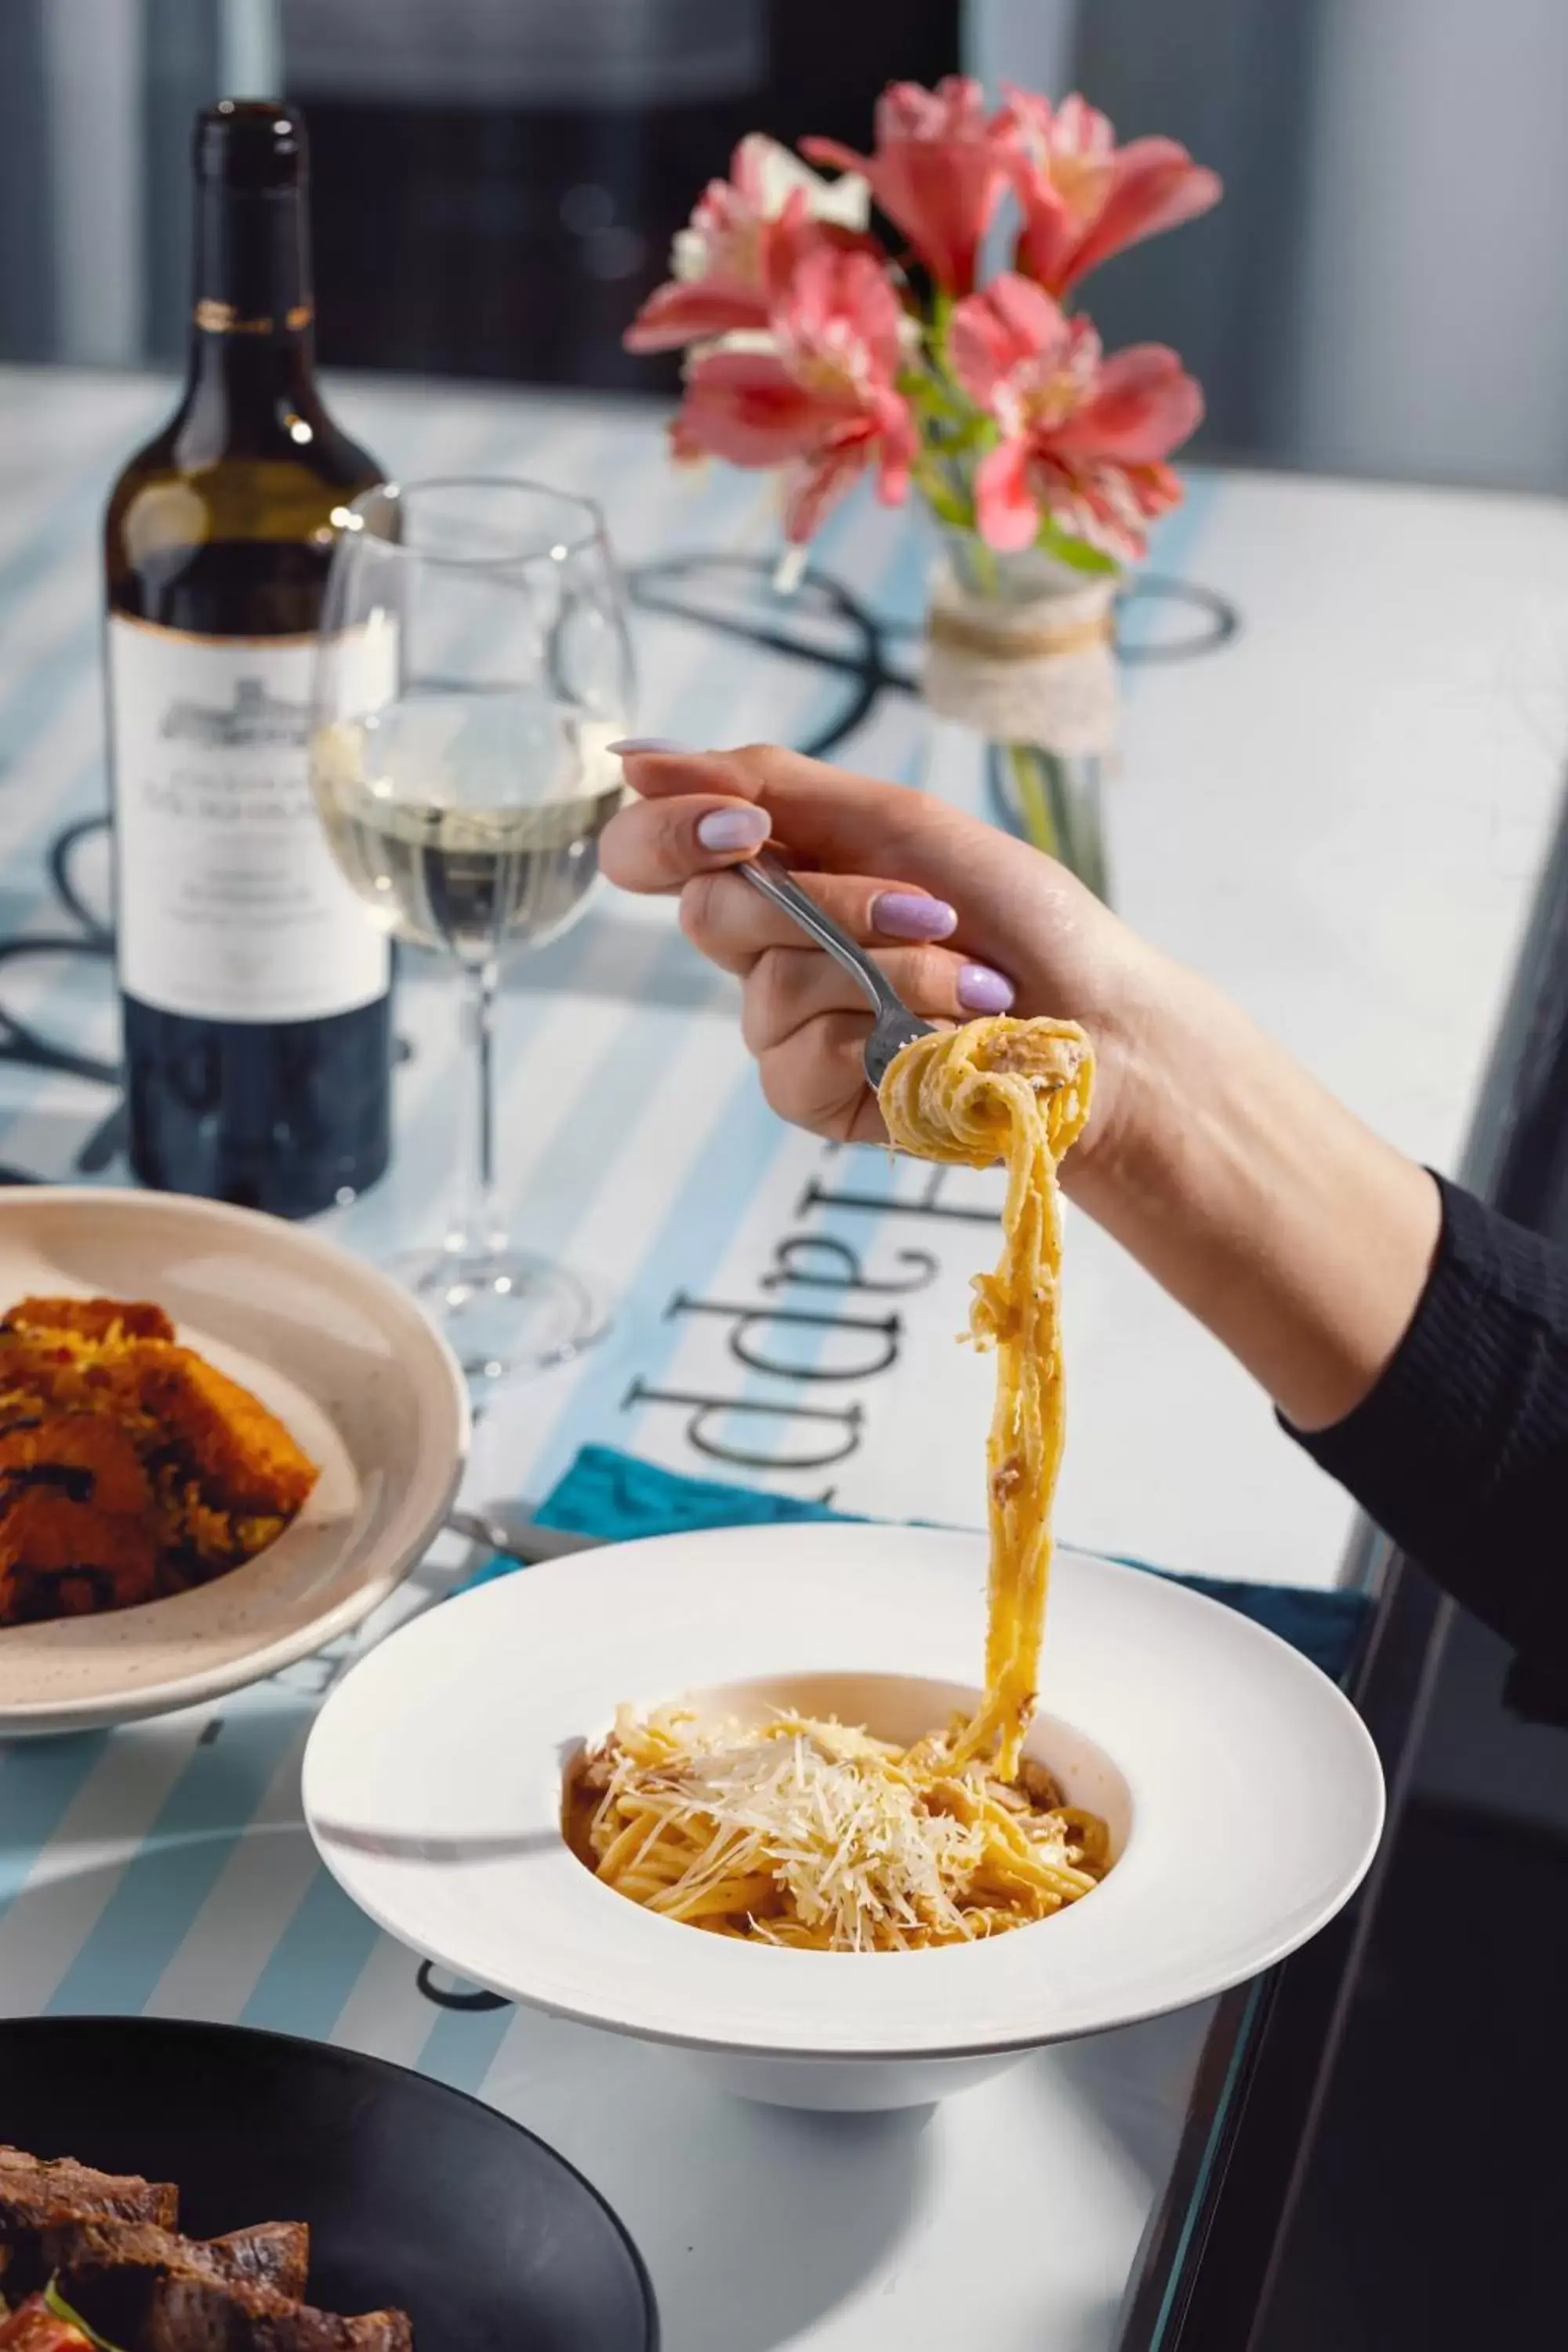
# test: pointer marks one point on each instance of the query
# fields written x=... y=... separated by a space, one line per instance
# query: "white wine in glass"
x=411 y=798
x=465 y=810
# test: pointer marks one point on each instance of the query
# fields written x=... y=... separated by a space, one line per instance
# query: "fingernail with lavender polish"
x=905 y=915
x=733 y=828
x=628 y=745
x=981 y=990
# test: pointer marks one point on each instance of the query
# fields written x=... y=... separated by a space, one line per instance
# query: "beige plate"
x=367 y=1386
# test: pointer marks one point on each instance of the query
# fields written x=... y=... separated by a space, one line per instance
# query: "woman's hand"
x=962 y=918
x=1300 y=1238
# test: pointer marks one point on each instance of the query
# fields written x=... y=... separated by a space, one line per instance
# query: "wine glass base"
x=502 y=1311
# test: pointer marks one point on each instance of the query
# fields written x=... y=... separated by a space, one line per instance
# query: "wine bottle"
x=254 y=994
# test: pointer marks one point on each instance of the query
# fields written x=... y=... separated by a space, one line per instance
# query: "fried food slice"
x=94 y=1318
x=64 y=1559
x=84 y=1457
x=243 y=1453
x=130 y=1466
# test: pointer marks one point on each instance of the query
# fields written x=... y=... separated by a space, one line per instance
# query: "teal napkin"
x=615 y=1496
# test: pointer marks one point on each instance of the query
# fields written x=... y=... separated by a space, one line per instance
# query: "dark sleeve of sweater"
x=1460 y=1452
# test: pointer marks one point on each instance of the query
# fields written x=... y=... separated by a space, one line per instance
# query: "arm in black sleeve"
x=1460 y=1452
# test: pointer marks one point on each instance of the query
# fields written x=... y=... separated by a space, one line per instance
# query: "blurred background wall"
x=1384 y=290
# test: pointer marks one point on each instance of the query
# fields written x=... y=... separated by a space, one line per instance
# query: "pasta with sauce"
x=1016 y=1091
x=812 y=1833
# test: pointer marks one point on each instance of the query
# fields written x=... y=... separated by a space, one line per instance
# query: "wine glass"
x=472 y=668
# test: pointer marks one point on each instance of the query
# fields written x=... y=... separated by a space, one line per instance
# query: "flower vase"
x=1020 y=649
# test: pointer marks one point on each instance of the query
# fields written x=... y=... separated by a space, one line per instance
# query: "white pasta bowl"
x=343 y=1358
x=1243 y=1793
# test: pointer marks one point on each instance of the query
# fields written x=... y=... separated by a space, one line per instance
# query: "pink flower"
x=1083 y=438
x=1083 y=196
x=745 y=237
x=824 y=403
x=938 y=169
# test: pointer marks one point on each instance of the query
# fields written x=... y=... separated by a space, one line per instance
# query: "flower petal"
x=1005 y=506
x=834 y=150
x=938 y=171
x=1105 y=503
x=694 y=310
x=1048 y=231
x=955 y=108
x=1082 y=129
x=815 y=485
x=1010 y=323
x=840 y=305
x=942 y=194
x=1155 y=186
x=746 y=406
x=1143 y=407
x=778 y=173
x=898 y=447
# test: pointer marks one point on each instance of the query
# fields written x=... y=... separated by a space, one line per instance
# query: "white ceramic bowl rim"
x=432 y=1786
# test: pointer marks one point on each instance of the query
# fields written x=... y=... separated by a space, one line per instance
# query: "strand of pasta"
x=1016 y=1091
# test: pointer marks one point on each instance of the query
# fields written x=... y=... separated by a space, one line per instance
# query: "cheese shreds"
x=809 y=1833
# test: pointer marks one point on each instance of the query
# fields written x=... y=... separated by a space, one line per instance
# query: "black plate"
x=416 y=2196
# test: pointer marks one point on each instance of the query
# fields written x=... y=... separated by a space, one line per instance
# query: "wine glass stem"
x=476 y=1228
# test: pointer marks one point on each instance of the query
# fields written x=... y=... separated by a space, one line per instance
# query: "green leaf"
x=54 y=2302
x=1076 y=552
x=945 y=503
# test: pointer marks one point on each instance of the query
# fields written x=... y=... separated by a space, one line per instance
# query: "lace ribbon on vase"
x=1039 y=670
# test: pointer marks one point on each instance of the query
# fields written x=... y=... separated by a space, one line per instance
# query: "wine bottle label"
x=230 y=906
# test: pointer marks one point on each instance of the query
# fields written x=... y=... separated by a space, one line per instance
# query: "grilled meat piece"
x=36 y=2191
x=198 y=2314
x=270 y=2254
x=107 y=2270
x=111 y=2243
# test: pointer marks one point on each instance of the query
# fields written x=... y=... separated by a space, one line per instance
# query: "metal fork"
x=895 y=1025
x=520 y=1538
